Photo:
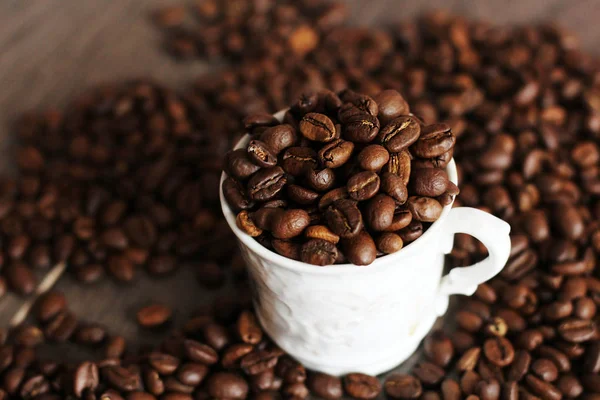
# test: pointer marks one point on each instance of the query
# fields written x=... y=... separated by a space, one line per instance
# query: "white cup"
x=346 y=318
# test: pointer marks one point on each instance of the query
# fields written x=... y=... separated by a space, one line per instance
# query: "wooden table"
x=51 y=50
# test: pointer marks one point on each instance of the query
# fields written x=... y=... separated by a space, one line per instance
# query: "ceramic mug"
x=346 y=318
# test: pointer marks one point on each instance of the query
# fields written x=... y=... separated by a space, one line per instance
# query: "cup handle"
x=493 y=233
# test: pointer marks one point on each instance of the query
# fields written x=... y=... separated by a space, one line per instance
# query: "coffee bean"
x=577 y=330
x=389 y=242
x=499 y=351
x=320 y=180
x=362 y=386
x=469 y=381
x=200 y=352
x=380 y=212
x=266 y=183
x=400 y=165
x=246 y=224
x=541 y=388
x=289 y=224
x=216 y=336
x=235 y=195
x=231 y=357
x=391 y=105
x=556 y=356
x=569 y=386
x=91 y=334
x=20 y=278
x=435 y=140
x=344 y=218
x=279 y=138
x=336 y=153
x=318 y=252
x=429 y=182
x=545 y=370
x=49 y=305
x=258 y=361
x=373 y=157
x=363 y=185
x=424 y=209
x=61 y=327
x=400 y=133
x=141 y=231
x=412 y=231
x=438 y=348
x=301 y=195
x=248 y=328
x=153 y=315
x=429 y=373
x=192 y=374
x=468 y=361
x=360 y=249
x=325 y=386
x=239 y=165
x=361 y=128
x=402 y=386
x=317 y=127
x=122 y=378
x=299 y=160
x=260 y=154
x=86 y=378
x=295 y=390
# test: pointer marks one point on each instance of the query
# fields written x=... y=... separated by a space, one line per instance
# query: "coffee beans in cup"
x=345 y=177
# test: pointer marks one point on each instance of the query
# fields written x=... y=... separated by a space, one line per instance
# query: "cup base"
x=397 y=354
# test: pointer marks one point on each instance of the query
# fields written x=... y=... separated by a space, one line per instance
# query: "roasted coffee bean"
x=541 y=388
x=336 y=153
x=165 y=364
x=499 y=351
x=153 y=315
x=400 y=165
x=438 y=348
x=435 y=140
x=364 y=103
x=91 y=334
x=373 y=157
x=248 y=328
x=318 y=252
x=389 y=242
x=299 y=160
x=569 y=386
x=20 y=278
x=362 y=386
x=286 y=248
x=468 y=361
x=429 y=373
x=49 y=305
x=317 y=127
x=246 y=224
x=258 y=361
x=122 y=378
x=359 y=249
x=86 y=378
x=330 y=197
x=425 y=209
x=576 y=330
x=266 y=183
x=61 y=327
x=239 y=165
x=321 y=232
x=260 y=154
x=232 y=355
x=412 y=231
x=301 y=195
x=344 y=218
x=363 y=185
x=391 y=105
x=279 y=138
x=192 y=374
x=200 y=352
x=289 y=223
x=545 y=369
x=429 y=182
x=400 y=133
x=380 y=212
x=361 y=128
x=402 y=386
x=325 y=386
x=320 y=180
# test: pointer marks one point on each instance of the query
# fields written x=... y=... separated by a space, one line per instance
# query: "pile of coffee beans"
x=523 y=103
x=345 y=177
x=123 y=179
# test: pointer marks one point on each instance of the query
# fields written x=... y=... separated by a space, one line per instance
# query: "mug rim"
x=300 y=266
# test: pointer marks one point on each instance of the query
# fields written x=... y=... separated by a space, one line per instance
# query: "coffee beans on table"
x=373 y=190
